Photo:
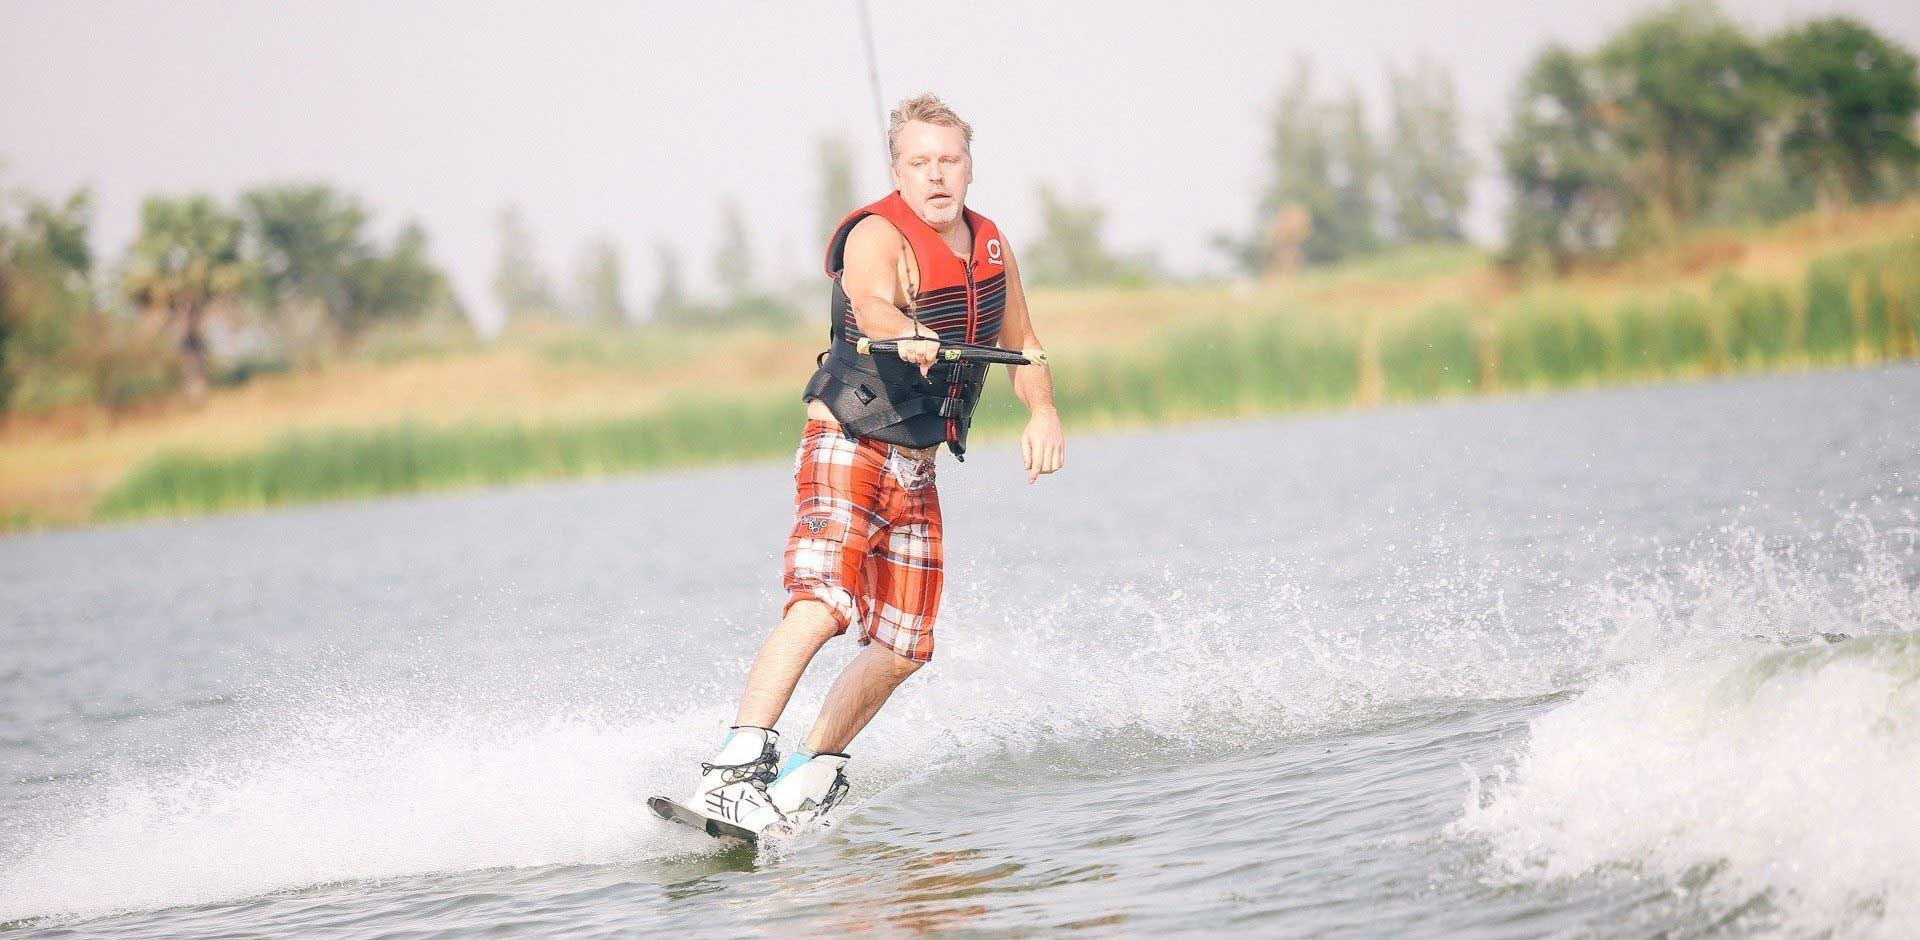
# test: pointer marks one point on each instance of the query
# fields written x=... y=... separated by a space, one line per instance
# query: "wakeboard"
x=727 y=833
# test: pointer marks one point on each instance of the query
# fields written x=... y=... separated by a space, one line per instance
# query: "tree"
x=400 y=284
x=1851 y=97
x=306 y=241
x=46 y=293
x=184 y=261
x=1299 y=162
x=1427 y=166
x=1564 y=164
x=1071 y=248
x=670 y=298
x=519 y=283
x=58 y=343
x=597 y=285
x=60 y=232
x=1322 y=180
x=1685 y=84
x=836 y=185
x=1354 y=167
x=308 y=245
x=733 y=260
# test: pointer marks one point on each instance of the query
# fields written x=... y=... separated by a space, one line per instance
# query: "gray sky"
x=636 y=120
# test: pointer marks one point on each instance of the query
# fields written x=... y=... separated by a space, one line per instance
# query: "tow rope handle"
x=959 y=352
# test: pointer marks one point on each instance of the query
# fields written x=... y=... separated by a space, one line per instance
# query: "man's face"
x=932 y=170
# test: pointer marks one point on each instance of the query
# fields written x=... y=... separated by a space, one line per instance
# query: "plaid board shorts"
x=866 y=539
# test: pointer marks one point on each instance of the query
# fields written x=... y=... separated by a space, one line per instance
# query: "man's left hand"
x=1043 y=447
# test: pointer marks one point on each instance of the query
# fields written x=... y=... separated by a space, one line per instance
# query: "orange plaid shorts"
x=866 y=538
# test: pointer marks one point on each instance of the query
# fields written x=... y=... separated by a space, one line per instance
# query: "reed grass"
x=309 y=467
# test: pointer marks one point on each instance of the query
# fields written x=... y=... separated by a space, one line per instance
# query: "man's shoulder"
x=874 y=234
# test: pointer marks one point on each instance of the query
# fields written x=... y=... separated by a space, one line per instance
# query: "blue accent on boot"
x=794 y=762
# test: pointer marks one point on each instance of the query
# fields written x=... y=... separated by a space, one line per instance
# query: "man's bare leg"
x=857 y=696
x=807 y=626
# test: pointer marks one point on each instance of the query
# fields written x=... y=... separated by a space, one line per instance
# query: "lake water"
x=1627 y=663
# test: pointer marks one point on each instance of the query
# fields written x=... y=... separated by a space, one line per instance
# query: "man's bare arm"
x=1043 y=448
x=1033 y=384
x=872 y=279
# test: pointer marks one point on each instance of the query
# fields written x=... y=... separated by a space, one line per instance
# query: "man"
x=866 y=543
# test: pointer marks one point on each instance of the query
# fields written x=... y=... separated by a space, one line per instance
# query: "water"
x=1639 y=663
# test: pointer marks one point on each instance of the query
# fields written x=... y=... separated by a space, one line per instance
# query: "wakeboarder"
x=941 y=282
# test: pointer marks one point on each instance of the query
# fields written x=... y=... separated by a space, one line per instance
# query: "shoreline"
x=1426 y=325
x=778 y=443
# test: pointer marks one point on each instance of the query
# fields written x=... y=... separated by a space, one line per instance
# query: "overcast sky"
x=636 y=120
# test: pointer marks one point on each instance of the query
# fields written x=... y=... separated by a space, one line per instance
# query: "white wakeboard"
x=727 y=833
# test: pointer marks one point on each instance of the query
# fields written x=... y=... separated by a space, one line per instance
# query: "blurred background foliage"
x=1686 y=198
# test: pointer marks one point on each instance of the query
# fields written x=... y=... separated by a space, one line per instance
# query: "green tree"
x=306 y=240
x=59 y=229
x=185 y=261
x=1851 y=98
x=670 y=303
x=58 y=343
x=309 y=247
x=836 y=185
x=1426 y=164
x=1563 y=163
x=519 y=283
x=1072 y=249
x=1685 y=84
x=46 y=297
x=1299 y=166
x=402 y=283
x=1354 y=167
x=597 y=285
x=1323 y=174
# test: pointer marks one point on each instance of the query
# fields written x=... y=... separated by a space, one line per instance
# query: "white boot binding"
x=808 y=791
x=759 y=768
x=733 y=786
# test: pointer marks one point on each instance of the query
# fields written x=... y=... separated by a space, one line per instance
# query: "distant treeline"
x=286 y=274
x=1683 y=116
x=1335 y=191
x=1678 y=119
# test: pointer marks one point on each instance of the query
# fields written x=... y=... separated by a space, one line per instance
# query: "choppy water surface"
x=1628 y=663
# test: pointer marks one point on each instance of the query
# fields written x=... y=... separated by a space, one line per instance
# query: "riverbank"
x=1415 y=325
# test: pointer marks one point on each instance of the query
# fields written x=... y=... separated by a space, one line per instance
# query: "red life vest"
x=962 y=300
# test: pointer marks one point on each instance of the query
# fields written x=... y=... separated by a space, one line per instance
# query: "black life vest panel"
x=882 y=397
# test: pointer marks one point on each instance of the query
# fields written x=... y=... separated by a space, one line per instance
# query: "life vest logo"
x=993 y=251
x=815 y=524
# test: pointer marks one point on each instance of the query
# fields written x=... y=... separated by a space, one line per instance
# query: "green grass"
x=409 y=458
x=1436 y=355
x=1400 y=264
x=1848 y=305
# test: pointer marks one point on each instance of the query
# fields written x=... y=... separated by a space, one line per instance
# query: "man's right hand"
x=920 y=352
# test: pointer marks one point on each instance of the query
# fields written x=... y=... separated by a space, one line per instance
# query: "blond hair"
x=930 y=109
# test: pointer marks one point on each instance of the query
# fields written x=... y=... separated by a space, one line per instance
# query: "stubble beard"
x=940 y=217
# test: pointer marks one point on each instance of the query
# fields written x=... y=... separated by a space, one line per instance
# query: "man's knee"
x=898 y=667
x=811 y=617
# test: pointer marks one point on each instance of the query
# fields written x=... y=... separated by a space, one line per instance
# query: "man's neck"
x=957 y=235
